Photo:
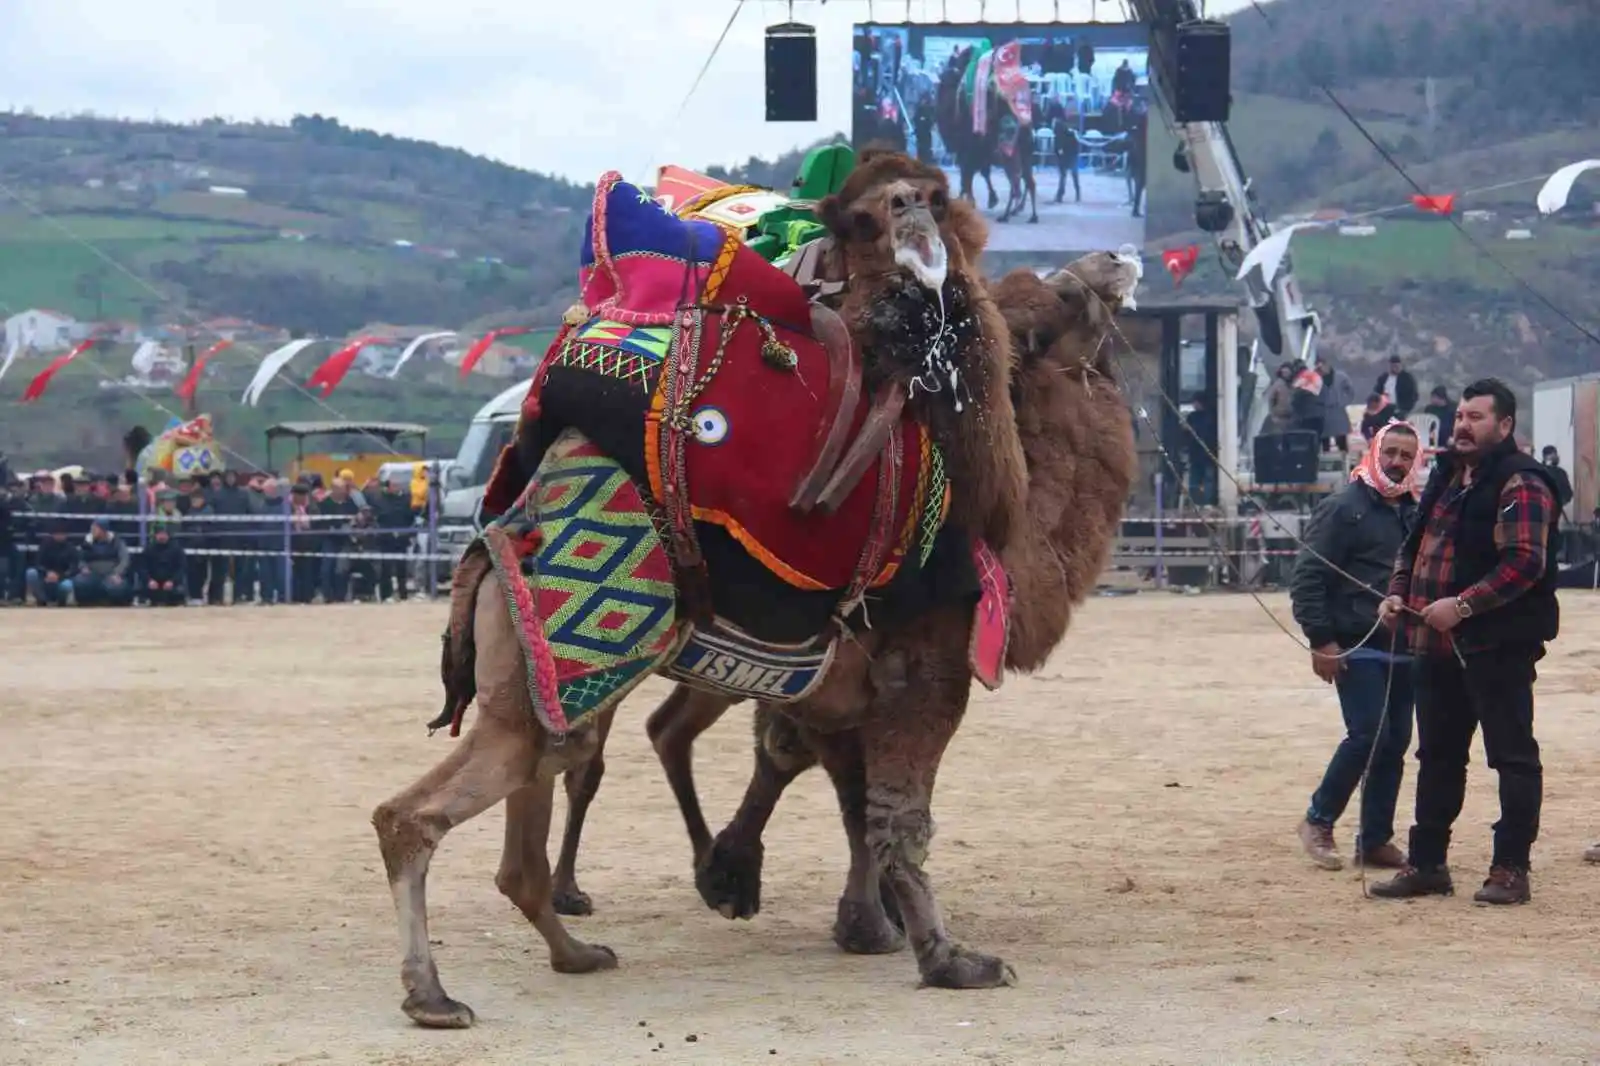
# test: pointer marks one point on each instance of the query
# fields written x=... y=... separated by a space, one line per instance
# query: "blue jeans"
x=1202 y=481
x=95 y=591
x=1361 y=688
x=44 y=595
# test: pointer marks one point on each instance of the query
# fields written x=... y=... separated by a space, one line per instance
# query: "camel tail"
x=459 y=654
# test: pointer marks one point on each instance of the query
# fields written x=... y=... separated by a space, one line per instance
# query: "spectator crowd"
x=225 y=538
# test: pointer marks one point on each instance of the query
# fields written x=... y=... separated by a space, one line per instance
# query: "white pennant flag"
x=1270 y=253
x=418 y=343
x=1553 y=195
x=11 y=357
x=144 y=358
x=270 y=366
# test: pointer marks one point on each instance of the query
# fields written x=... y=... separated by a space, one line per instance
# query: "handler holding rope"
x=1360 y=531
x=1480 y=571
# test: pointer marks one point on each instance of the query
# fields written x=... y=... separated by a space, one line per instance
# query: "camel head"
x=1105 y=278
x=1067 y=315
x=894 y=222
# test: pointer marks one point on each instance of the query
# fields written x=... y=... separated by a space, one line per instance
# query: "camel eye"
x=865 y=226
x=937 y=201
x=898 y=202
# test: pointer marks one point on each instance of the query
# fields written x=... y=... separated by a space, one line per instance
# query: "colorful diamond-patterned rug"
x=587 y=582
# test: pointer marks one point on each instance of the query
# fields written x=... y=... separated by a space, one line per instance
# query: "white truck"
x=489 y=432
x=1566 y=416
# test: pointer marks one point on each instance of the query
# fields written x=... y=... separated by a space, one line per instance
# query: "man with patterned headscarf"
x=1339 y=579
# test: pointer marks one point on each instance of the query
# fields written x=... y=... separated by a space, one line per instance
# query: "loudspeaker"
x=1204 y=70
x=791 y=73
x=1287 y=458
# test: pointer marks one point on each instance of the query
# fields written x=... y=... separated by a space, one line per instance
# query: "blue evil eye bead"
x=710 y=425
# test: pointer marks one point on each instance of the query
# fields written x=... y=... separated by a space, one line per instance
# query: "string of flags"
x=1180 y=263
x=1268 y=255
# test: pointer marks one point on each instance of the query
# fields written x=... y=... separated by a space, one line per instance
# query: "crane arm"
x=1226 y=207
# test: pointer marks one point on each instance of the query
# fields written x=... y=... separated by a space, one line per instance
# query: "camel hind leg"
x=524 y=879
x=488 y=764
x=498 y=756
x=582 y=785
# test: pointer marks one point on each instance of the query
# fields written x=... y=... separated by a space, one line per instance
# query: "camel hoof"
x=574 y=903
x=589 y=958
x=861 y=929
x=438 y=1012
x=969 y=969
x=1035 y=218
x=729 y=878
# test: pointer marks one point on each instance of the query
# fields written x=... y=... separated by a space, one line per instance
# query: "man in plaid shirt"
x=1475 y=589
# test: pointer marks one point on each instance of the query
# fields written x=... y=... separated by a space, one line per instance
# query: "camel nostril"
x=898 y=202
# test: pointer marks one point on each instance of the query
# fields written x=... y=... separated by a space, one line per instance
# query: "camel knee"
x=898 y=834
x=404 y=833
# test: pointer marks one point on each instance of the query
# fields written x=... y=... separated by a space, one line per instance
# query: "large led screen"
x=1042 y=126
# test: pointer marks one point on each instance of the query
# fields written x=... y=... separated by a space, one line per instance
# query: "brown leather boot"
x=1411 y=882
x=1317 y=840
x=1505 y=885
x=1383 y=857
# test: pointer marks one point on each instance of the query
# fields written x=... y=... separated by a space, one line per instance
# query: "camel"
x=1076 y=433
x=1007 y=142
x=934 y=344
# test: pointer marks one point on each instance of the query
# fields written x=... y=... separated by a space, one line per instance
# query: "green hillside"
x=339 y=227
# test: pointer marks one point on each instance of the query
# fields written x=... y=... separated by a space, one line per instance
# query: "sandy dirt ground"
x=1102 y=220
x=187 y=872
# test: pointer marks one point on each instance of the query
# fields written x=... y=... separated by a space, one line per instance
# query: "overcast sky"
x=573 y=87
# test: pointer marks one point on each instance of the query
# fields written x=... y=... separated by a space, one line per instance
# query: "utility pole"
x=192 y=401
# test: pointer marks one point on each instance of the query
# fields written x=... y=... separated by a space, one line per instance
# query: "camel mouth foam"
x=925 y=257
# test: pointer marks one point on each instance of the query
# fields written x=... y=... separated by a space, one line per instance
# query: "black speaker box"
x=1204 y=72
x=1287 y=458
x=791 y=73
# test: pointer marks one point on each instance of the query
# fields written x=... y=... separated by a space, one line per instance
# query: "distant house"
x=226 y=190
x=43 y=330
x=227 y=328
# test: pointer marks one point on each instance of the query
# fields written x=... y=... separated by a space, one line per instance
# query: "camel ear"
x=830 y=212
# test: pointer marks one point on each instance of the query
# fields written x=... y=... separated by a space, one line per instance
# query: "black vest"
x=1532 y=618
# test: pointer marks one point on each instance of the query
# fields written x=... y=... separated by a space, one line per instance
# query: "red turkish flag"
x=485 y=342
x=1438 y=205
x=186 y=387
x=1180 y=262
x=337 y=365
x=37 y=386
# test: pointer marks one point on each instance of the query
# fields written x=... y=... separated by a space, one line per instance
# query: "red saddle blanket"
x=737 y=393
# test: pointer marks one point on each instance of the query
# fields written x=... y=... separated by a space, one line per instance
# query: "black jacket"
x=1534 y=617
x=57 y=556
x=164 y=562
x=1405 y=390
x=1360 y=532
x=1560 y=483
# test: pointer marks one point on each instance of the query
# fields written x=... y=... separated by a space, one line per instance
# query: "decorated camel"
x=983 y=111
x=1077 y=436
x=699 y=486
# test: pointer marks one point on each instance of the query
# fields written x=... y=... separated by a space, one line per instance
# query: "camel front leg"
x=524 y=879
x=902 y=743
x=868 y=919
x=728 y=874
x=492 y=761
x=673 y=728
x=582 y=784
